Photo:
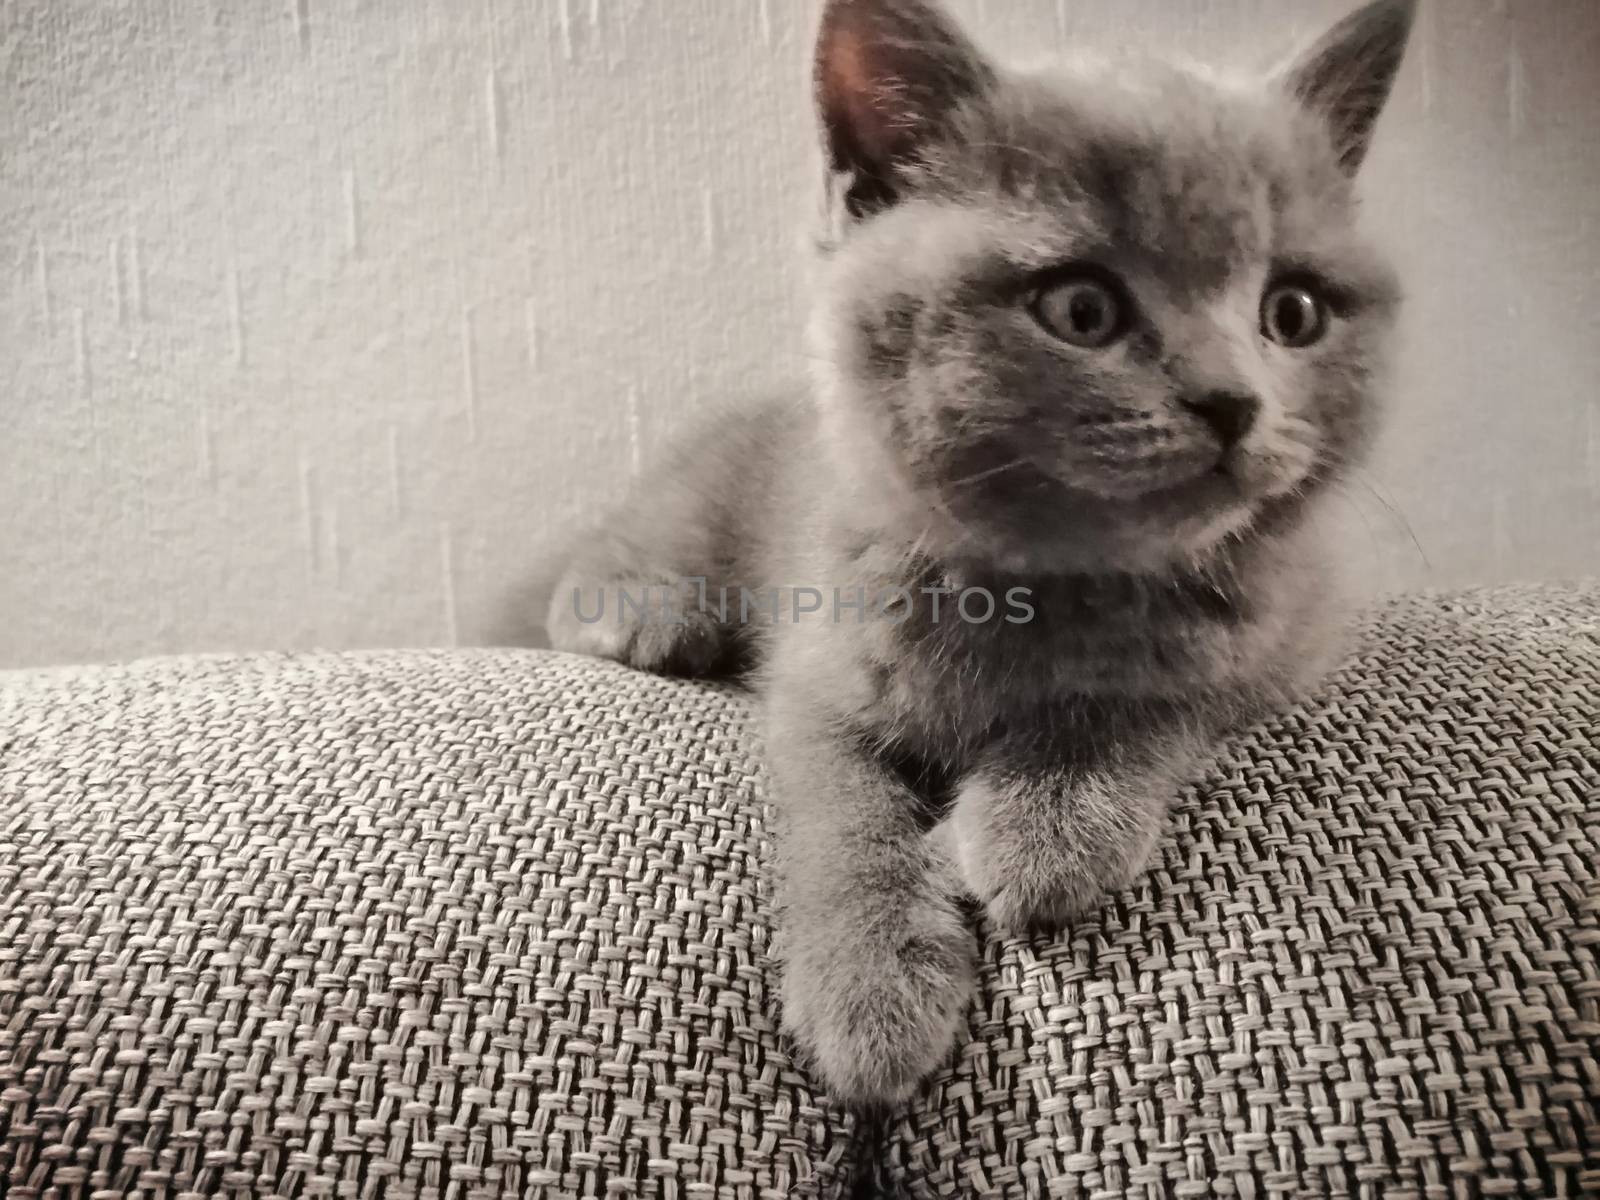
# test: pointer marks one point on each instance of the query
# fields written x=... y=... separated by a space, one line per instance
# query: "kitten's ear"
x=889 y=73
x=1346 y=75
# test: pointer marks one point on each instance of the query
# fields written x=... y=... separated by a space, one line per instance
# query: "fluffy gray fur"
x=1154 y=493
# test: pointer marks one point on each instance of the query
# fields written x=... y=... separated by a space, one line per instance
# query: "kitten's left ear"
x=1345 y=77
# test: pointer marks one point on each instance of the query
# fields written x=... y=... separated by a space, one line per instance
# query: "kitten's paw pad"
x=875 y=1018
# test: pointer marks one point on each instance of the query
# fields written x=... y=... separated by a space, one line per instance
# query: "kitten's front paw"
x=877 y=1010
x=636 y=623
x=1040 y=861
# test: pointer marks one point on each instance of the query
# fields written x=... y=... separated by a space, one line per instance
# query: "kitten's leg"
x=649 y=589
x=687 y=535
x=877 y=958
x=1041 y=839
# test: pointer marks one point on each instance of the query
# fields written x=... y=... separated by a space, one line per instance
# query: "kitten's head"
x=1101 y=318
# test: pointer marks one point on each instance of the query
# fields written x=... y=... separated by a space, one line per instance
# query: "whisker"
x=1394 y=511
x=980 y=476
x=1344 y=493
x=1013 y=148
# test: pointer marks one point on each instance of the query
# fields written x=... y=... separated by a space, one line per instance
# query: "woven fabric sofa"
x=493 y=923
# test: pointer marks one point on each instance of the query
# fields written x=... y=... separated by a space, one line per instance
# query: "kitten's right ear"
x=889 y=74
x=1346 y=76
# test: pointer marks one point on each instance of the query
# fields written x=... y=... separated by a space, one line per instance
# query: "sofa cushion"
x=404 y=925
x=1366 y=963
x=484 y=923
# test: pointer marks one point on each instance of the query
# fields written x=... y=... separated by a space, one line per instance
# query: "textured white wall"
x=321 y=319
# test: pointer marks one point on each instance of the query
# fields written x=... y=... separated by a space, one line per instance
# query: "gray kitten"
x=1094 y=341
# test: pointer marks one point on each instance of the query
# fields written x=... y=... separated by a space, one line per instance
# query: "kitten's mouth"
x=1222 y=479
x=1226 y=474
x=1037 y=505
x=1218 y=486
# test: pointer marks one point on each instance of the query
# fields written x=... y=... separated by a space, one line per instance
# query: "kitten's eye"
x=1293 y=315
x=1080 y=310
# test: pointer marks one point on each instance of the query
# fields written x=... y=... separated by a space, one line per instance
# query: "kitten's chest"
x=961 y=678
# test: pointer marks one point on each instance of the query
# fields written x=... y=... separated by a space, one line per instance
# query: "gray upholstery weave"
x=479 y=924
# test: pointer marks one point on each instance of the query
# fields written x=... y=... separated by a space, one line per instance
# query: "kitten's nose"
x=1231 y=414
